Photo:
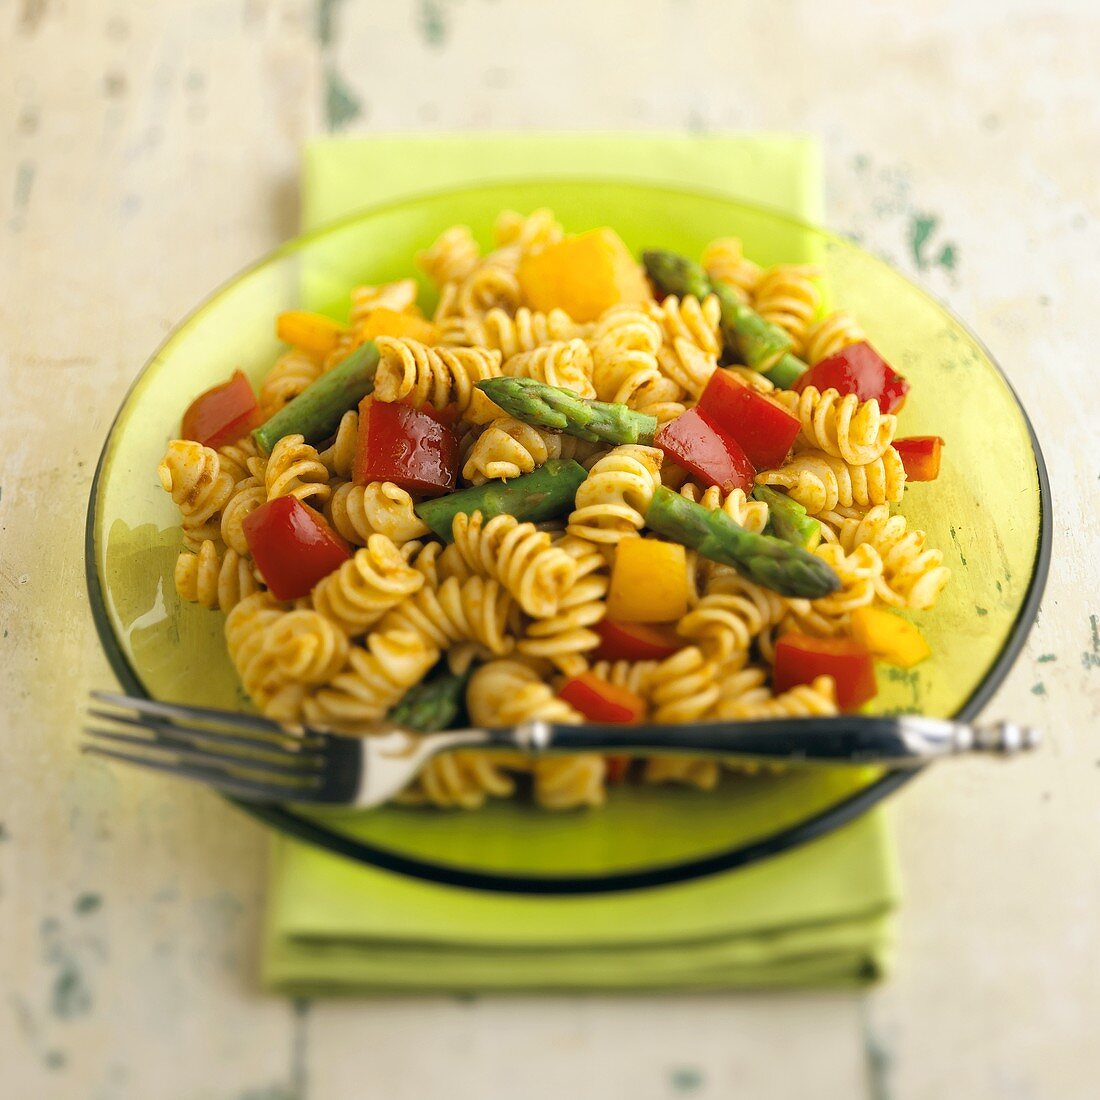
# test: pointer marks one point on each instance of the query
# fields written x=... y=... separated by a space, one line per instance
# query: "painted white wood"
x=148 y=151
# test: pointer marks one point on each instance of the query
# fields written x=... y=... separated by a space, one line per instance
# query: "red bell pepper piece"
x=920 y=455
x=410 y=447
x=600 y=701
x=800 y=660
x=858 y=369
x=617 y=767
x=448 y=415
x=636 y=641
x=711 y=454
x=293 y=546
x=764 y=429
x=222 y=414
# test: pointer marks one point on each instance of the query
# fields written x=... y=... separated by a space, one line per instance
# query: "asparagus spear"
x=786 y=569
x=764 y=346
x=432 y=705
x=546 y=493
x=787 y=519
x=315 y=413
x=563 y=411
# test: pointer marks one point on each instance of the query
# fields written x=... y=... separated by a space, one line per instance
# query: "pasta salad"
x=584 y=488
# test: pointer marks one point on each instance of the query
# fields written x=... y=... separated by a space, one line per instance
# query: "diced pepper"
x=889 y=637
x=312 y=332
x=388 y=322
x=636 y=641
x=617 y=767
x=800 y=659
x=858 y=369
x=764 y=429
x=920 y=455
x=293 y=546
x=407 y=446
x=583 y=275
x=600 y=701
x=713 y=456
x=649 y=582
x=222 y=414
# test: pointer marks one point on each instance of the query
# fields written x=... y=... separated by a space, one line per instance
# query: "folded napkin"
x=819 y=915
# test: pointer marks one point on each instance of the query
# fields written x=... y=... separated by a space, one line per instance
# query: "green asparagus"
x=770 y=562
x=764 y=346
x=545 y=494
x=563 y=411
x=315 y=413
x=787 y=519
x=432 y=705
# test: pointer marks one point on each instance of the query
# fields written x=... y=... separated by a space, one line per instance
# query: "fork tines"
x=241 y=754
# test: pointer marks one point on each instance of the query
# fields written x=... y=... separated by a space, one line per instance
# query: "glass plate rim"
x=832 y=817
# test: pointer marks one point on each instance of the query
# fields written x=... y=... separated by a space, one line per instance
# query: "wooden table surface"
x=148 y=151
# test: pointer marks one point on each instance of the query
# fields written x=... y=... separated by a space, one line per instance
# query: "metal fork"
x=256 y=759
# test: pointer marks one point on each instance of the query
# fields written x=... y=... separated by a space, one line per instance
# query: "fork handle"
x=903 y=741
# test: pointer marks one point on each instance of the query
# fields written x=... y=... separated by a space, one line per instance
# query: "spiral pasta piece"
x=817 y=699
x=280 y=655
x=831 y=334
x=724 y=623
x=750 y=514
x=293 y=372
x=570 y=782
x=438 y=376
x=859 y=574
x=508 y=448
x=339 y=456
x=724 y=260
x=912 y=575
x=820 y=482
x=787 y=296
x=194 y=476
x=635 y=676
x=689 y=771
x=508 y=692
x=689 y=352
x=625 y=343
x=294 y=469
x=491 y=285
x=378 y=675
x=239 y=457
x=567 y=364
x=858 y=432
x=365 y=587
x=213 y=580
x=498 y=331
x=398 y=296
x=505 y=693
x=740 y=686
x=528 y=233
x=683 y=687
x=450 y=612
x=247 y=496
x=451 y=257
x=518 y=555
x=380 y=508
x=564 y=638
x=460 y=780
x=612 y=501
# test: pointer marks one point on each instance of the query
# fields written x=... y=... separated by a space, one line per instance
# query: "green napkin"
x=819 y=915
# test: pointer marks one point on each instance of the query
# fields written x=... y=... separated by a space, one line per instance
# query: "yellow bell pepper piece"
x=583 y=275
x=312 y=332
x=888 y=637
x=388 y=322
x=649 y=582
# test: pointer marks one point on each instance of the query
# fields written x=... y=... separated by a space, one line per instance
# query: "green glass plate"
x=989 y=512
